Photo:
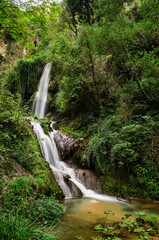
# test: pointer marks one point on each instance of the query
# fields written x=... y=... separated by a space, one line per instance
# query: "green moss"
x=45 y=125
x=75 y=133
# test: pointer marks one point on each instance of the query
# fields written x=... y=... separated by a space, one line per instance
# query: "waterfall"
x=49 y=149
x=40 y=101
x=50 y=154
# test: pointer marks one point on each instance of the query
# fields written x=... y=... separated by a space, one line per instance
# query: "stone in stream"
x=68 y=147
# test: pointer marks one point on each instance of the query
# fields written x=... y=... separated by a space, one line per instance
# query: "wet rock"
x=89 y=180
x=67 y=177
x=76 y=192
x=70 y=150
x=66 y=145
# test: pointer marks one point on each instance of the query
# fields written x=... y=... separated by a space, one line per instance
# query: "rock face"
x=75 y=191
x=70 y=150
x=66 y=145
x=89 y=180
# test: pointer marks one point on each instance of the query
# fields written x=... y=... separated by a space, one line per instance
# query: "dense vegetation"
x=105 y=80
x=28 y=190
x=104 y=88
x=29 y=208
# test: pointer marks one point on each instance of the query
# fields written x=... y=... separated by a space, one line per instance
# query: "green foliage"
x=24 y=21
x=12 y=20
x=19 y=146
x=45 y=209
x=125 y=147
x=75 y=90
x=18 y=228
x=107 y=10
x=24 y=76
x=17 y=192
x=81 y=10
x=25 y=178
x=104 y=79
x=45 y=126
x=75 y=133
x=142 y=226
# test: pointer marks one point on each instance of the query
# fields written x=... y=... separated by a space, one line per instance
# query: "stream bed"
x=82 y=215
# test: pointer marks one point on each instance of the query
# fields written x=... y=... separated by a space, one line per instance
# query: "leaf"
x=124 y=225
x=139 y=213
x=109 y=212
x=98 y=227
x=138 y=230
x=100 y=218
x=128 y=215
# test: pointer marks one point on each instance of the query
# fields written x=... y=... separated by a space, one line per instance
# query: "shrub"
x=17 y=192
x=119 y=147
x=45 y=209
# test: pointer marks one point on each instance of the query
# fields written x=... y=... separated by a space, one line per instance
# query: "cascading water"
x=49 y=149
x=40 y=102
x=50 y=154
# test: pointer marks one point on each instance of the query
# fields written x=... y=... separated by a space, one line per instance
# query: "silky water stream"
x=82 y=212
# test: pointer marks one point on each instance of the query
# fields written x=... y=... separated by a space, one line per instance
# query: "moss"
x=45 y=125
x=76 y=134
x=71 y=126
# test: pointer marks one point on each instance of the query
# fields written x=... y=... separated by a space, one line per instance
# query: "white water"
x=59 y=168
x=50 y=154
x=49 y=149
x=40 y=101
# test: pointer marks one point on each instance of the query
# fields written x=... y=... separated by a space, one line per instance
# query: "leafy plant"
x=45 y=209
x=142 y=225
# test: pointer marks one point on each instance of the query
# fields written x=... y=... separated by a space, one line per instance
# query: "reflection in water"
x=82 y=215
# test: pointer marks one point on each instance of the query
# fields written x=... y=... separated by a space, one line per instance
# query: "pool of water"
x=82 y=215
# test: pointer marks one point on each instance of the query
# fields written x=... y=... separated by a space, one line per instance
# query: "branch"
x=75 y=31
x=137 y=80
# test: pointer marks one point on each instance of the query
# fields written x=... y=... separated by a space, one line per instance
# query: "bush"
x=119 y=148
x=17 y=192
x=24 y=76
x=45 y=209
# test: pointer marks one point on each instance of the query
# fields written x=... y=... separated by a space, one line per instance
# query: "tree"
x=77 y=11
x=22 y=21
x=80 y=10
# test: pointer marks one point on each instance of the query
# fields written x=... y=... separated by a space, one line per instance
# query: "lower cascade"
x=63 y=173
x=59 y=168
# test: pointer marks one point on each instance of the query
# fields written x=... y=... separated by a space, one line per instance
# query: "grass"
x=16 y=227
x=76 y=134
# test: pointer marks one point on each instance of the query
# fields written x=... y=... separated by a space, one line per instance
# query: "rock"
x=66 y=145
x=88 y=179
x=70 y=150
x=67 y=177
x=76 y=192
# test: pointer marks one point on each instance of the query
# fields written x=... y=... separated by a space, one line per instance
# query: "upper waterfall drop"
x=40 y=101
